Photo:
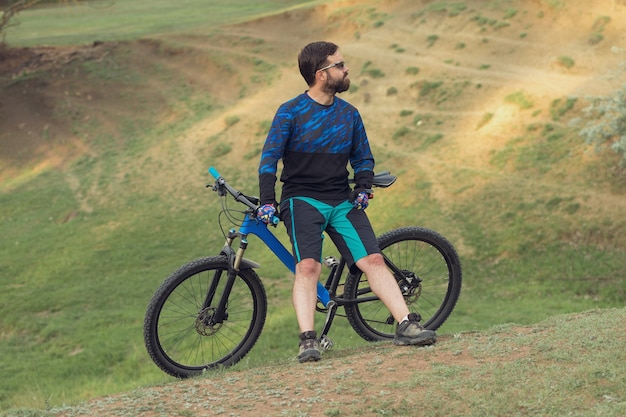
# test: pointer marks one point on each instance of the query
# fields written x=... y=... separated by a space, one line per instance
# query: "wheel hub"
x=205 y=325
x=411 y=286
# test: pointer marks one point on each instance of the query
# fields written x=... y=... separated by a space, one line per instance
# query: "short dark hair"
x=313 y=57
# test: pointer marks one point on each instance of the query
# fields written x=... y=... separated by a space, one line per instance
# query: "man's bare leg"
x=304 y=301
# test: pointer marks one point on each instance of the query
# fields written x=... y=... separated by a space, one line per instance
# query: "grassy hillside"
x=105 y=148
x=551 y=368
x=76 y=22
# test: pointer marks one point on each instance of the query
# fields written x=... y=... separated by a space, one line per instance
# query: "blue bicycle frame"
x=252 y=225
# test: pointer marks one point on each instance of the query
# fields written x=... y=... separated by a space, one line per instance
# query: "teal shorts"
x=306 y=220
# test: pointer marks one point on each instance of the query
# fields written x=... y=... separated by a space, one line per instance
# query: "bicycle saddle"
x=383 y=179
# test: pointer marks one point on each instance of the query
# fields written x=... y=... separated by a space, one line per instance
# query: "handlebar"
x=250 y=201
x=221 y=185
x=382 y=180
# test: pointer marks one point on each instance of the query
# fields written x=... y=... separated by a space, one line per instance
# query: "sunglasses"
x=339 y=65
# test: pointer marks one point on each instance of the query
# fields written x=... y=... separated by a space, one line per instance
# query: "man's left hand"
x=362 y=199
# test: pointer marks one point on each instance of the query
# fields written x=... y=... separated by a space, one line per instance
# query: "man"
x=316 y=134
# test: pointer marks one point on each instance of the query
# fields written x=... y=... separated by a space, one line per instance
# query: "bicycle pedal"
x=325 y=343
x=330 y=261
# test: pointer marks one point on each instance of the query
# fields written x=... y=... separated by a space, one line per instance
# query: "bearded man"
x=316 y=135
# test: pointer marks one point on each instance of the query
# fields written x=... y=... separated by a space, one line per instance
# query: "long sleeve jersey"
x=315 y=143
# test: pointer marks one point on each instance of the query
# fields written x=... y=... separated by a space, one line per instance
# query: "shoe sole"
x=414 y=342
x=309 y=356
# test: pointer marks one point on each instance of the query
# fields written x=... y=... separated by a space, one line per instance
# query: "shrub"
x=566 y=62
x=606 y=123
x=231 y=120
x=400 y=132
x=486 y=118
x=595 y=38
x=431 y=140
x=372 y=72
x=221 y=149
x=559 y=107
x=412 y=70
x=432 y=39
x=375 y=73
x=426 y=87
x=510 y=13
x=600 y=23
x=453 y=9
x=520 y=99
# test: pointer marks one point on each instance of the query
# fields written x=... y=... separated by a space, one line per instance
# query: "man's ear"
x=320 y=76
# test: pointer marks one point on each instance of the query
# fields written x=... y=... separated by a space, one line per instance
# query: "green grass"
x=122 y=20
x=506 y=370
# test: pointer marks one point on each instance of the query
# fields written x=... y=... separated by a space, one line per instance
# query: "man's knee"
x=309 y=267
x=374 y=260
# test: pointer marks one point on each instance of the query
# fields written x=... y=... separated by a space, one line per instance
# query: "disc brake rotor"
x=205 y=325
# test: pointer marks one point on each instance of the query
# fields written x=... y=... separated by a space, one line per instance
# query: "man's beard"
x=335 y=86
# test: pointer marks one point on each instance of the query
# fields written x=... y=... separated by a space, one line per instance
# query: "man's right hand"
x=266 y=213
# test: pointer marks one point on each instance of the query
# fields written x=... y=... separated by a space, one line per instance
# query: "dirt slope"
x=463 y=375
x=479 y=54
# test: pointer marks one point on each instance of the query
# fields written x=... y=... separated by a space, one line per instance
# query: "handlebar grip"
x=275 y=220
x=214 y=172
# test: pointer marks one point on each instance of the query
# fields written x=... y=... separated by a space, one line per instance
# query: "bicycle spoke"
x=427 y=270
x=181 y=334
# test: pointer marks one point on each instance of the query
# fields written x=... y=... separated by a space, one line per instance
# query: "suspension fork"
x=234 y=264
x=228 y=252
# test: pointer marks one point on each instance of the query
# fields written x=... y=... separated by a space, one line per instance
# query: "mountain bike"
x=210 y=312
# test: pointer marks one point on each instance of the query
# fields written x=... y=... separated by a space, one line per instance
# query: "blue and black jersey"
x=315 y=142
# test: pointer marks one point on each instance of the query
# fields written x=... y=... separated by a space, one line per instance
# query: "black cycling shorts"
x=306 y=220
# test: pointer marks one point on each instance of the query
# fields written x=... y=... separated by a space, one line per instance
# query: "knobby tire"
x=420 y=253
x=178 y=333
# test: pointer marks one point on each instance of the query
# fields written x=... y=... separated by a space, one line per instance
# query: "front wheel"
x=428 y=271
x=181 y=332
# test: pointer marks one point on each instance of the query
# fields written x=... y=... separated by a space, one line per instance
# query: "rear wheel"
x=428 y=271
x=180 y=332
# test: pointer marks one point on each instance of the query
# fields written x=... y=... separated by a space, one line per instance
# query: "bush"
x=412 y=70
x=231 y=120
x=372 y=72
x=400 y=132
x=559 y=107
x=566 y=61
x=606 y=125
x=426 y=87
x=519 y=98
x=432 y=39
x=595 y=38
